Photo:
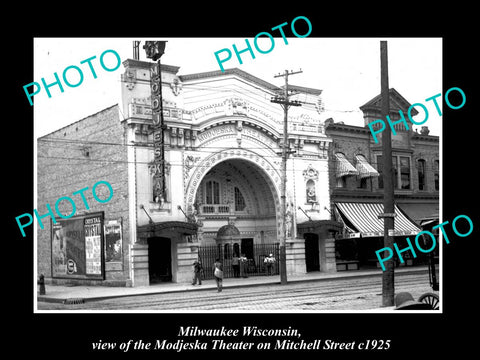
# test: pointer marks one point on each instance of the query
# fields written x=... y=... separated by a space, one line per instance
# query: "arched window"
x=239 y=200
x=226 y=251
x=404 y=162
x=421 y=174
x=436 y=174
x=236 y=249
x=212 y=192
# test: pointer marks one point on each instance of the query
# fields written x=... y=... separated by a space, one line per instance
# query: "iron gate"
x=253 y=266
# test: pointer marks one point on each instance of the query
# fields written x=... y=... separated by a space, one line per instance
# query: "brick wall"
x=352 y=140
x=426 y=148
x=78 y=156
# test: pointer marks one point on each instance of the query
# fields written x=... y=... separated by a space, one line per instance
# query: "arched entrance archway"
x=236 y=184
x=240 y=192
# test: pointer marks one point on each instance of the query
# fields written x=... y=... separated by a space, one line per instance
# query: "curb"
x=80 y=300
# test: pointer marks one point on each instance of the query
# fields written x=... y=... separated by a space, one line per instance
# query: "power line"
x=86 y=162
x=285 y=103
x=66 y=141
x=200 y=149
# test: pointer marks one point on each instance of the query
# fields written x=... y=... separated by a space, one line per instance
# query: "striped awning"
x=343 y=167
x=364 y=168
x=364 y=217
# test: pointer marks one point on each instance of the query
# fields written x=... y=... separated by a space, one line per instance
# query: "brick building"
x=357 y=186
x=74 y=157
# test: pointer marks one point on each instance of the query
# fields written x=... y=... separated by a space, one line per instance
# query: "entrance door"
x=159 y=260
x=247 y=248
x=312 y=255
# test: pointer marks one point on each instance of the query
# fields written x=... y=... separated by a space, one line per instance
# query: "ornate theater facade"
x=223 y=140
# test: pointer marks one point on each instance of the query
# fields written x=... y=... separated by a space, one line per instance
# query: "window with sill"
x=239 y=200
x=362 y=183
x=436 y=170
x=212 y=193
x=341 y=182
x=400 y=169
x=404 y=172
x=421 y=174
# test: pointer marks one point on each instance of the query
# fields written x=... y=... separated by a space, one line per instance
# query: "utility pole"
x=388 y=279
x=285 y=152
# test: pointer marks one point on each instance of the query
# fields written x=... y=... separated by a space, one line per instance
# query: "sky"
x=346 y=69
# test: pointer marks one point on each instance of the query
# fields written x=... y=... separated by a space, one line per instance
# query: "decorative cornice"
x=344 y=127
x=397 y=102
x=364 y=130
x=233 y=71
x=433 y=138
x=303 y=89
x=131 y=63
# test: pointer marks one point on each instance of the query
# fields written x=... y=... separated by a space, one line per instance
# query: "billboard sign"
x=77 y=245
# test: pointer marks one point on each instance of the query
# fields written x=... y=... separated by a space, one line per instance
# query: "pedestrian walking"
x=218 y=273
x=243 y=266
x=269 y=261
x=236 y=265
x=197 y=272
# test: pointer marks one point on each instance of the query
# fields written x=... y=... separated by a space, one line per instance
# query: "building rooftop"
x=397 y=102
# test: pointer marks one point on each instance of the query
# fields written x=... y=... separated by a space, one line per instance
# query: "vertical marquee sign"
x=154 y=50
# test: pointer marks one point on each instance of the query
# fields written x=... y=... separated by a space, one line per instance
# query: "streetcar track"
x=298 y=295
x=293 y=303
x=221 y=299
x=227 y=300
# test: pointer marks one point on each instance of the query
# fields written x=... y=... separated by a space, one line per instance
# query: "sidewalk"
x=61 y=293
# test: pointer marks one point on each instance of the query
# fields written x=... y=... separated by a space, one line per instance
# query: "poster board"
x=77 y=245
x=113 y=241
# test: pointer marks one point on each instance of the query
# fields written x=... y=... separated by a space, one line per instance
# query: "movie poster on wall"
x=113 y=241
x=77 y=247
x=93 y=245
x=59 y=251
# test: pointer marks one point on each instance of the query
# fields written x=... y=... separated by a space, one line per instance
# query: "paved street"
x=360 y=293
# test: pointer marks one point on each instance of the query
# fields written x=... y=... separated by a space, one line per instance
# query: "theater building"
x=223 y=151
x=356 y=182
x=223 y=143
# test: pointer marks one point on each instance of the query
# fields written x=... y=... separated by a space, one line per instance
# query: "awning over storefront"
x=363 y=219
x=343 y=167
x=364 y=168
x=420 y=212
